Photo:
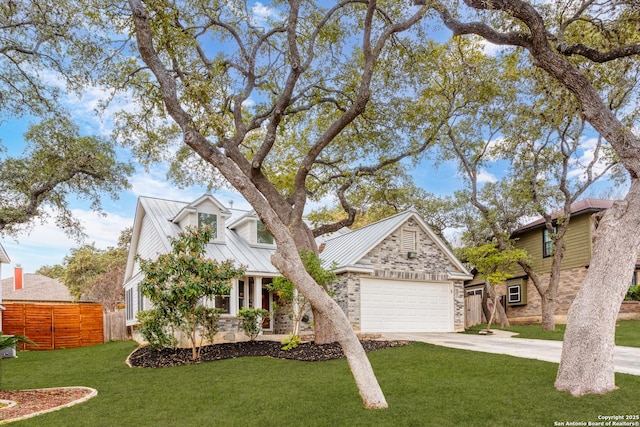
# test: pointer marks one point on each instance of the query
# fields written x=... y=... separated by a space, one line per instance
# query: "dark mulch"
x=308 y=351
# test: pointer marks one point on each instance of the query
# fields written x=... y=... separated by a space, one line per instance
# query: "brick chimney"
x=17 y=277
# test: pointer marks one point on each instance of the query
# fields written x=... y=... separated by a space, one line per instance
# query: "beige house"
x=521 y=298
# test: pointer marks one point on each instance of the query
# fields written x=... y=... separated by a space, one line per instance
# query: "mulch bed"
x=29 y=402
x=306 y=351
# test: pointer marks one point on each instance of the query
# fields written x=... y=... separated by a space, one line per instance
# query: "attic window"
x=264 y=236
x=208 y=219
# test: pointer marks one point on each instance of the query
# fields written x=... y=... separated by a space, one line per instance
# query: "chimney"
x=17 y=277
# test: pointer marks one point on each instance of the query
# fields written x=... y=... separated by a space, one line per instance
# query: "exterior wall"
x=577 y=241
x=570 y=283
x=389 y=261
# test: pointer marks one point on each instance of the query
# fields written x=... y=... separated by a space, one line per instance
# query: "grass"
x=424 y=385
x=627 y=332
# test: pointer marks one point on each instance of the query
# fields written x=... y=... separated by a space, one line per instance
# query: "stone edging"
x=93 y=393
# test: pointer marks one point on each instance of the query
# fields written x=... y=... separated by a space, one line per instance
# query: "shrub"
x=292 y=341
x=251 y=321
x=155 y=329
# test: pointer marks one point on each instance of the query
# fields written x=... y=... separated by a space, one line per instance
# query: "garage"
x=404 y=306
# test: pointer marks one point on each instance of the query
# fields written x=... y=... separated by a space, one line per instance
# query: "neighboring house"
x=521 y=297
x=395 y=275
x=4 y=259
x=42 y=309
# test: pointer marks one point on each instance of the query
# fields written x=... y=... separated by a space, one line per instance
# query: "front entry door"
x=266 y=304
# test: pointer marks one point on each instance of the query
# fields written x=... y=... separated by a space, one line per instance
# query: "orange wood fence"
x=54 y=326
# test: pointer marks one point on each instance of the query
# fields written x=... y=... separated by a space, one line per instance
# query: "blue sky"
x=44 y=244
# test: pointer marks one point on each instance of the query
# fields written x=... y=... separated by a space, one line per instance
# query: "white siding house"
x=395 y=275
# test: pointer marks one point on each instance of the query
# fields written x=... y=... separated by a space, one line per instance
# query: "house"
x=522 y=301
x=42 y=309
x=395 y=275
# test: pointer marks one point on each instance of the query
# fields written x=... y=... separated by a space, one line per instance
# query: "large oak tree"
x=567 y=41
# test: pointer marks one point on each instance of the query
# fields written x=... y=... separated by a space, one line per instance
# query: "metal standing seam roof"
x=345 y=249
x=257 y=259
x=349 y=248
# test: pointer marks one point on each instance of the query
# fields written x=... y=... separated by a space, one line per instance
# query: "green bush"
x=155 y=329
x=251 y=321
x=633 y=294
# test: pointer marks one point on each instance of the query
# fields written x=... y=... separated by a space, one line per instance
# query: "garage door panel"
x=388 y=306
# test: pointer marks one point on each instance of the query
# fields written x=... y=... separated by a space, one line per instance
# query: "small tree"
x=495 y=266
x=287 y=294
x=177 y=283
x=251 y=321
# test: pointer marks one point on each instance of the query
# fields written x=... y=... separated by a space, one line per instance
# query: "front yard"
x=424 y=384
x=627 y=332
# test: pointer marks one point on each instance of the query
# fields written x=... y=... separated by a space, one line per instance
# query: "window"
x=514 y=294
x=474 y=292
x=263 y=234
x=128 y=300
x=211 y=220
x=547 y=242
x=223 y=302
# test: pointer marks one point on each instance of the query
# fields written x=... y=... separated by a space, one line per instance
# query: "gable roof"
x=349 y=248
x=578 y=208
x=37 y=288
x=346 y=247
x=4 y=258
x=161 y=212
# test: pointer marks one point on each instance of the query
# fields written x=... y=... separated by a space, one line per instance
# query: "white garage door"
x=396 y=306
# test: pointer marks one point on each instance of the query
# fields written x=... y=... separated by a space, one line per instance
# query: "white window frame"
x=511 y=294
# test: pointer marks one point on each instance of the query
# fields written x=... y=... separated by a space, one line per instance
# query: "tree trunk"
x=586 y=365
x=548 y=307
x=499 y=309
x=361 y=368
x=322 y=329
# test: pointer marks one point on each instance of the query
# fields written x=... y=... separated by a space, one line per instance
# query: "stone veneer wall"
x=389 y=261
x=570 y=283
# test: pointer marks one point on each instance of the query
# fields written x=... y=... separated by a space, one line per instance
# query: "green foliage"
x=291 y=342
x=156 y=329
x=492 y=263
x=633 y=294
x=251 y=321
x=284 y=289
x=58 y=164
x=179 y=282
x=95 y=273
x=7 y=341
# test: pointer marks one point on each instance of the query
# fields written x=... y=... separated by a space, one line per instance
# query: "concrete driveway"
x=626 y=359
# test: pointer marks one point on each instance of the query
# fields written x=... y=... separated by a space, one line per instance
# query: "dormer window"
x=209 y=219
x=263 y=235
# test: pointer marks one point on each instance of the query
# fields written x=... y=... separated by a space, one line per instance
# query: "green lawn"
x=627 y=332
x=425 y=385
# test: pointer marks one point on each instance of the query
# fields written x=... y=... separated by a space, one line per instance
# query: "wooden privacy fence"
x=54 y=326
x=115 y=328
x=473 y=310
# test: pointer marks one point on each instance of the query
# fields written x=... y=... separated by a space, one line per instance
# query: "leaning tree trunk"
x=361 y=368
x=323 y=332
x=587 y=366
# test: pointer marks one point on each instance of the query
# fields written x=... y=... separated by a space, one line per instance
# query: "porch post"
x=257 y=292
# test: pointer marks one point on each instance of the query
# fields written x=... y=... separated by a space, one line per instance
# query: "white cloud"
x=46 y=244
x=262 y=13
x=485 y=176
